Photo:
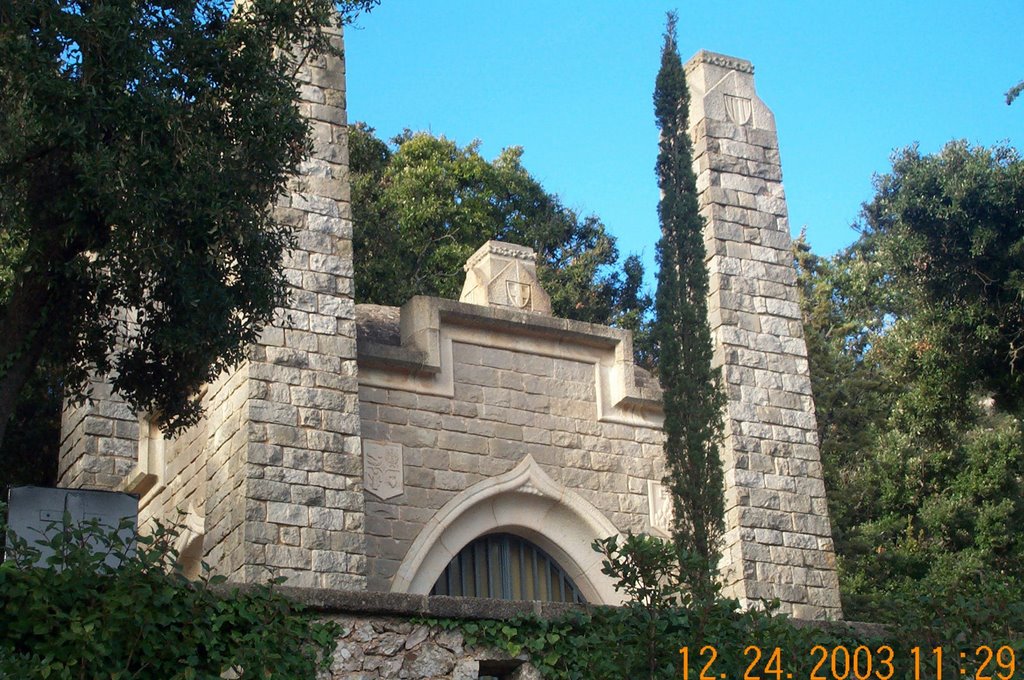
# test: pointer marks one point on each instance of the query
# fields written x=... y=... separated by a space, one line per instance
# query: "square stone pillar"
x=778 y=541
x=304 y=500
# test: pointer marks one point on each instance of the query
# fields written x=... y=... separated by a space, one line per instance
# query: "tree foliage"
x=914 y=336
x=142 y=145
x=1014 y=92
x=423 y=204
x=693 y=399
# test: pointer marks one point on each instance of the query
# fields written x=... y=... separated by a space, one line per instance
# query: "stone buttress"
x=778 y=540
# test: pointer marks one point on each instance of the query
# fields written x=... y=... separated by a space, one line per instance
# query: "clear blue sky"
x=571 y=82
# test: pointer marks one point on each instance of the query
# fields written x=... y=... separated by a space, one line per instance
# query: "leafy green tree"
x=142 y=145
x=951 y=231
x=422 y=205
x=914 y=340
x=845 y=307
x=693 y=398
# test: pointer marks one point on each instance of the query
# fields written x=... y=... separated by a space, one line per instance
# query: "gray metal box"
x=35 y=511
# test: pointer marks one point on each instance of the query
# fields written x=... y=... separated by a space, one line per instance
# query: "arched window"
x=506 y=567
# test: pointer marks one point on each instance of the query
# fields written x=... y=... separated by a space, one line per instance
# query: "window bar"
x=492 y=586
x=480 y=568
x=506 y=568
x=522 y=572
x=536 y=581
x=547 y=570
x=465 y=562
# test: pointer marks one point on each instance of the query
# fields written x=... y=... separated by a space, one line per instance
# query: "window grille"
x=506 y=567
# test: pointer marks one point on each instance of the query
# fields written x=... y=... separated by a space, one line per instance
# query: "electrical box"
x=35 y=512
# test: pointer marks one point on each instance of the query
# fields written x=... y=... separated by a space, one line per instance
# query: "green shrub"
x=79 y=617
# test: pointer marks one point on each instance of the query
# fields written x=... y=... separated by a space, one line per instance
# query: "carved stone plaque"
x=660 y=505
x=382 y=469
x=738 y=109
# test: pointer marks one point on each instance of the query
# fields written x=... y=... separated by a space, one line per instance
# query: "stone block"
x=288 y=513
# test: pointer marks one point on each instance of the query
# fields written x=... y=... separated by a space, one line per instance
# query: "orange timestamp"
x=858 y=663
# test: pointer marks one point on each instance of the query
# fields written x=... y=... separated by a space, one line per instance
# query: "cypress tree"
x=693 y=398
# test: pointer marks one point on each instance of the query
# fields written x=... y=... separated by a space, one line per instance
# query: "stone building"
x=477 y=447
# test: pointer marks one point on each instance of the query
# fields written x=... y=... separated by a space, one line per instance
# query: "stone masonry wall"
x=269 y=482
x=387 y=648
x=303 y=494
x=99 y=442
x=510 y=398
x=779 y=541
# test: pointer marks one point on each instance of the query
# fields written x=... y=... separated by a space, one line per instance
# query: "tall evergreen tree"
x=693 y=398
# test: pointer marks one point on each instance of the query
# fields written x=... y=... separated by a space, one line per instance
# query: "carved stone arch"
x=523 y=501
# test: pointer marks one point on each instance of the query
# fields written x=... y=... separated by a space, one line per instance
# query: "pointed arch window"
x=506 y=567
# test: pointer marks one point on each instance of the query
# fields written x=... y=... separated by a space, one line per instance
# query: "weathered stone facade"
x=366 y=463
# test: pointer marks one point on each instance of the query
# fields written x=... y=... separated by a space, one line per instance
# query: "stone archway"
x=523 y=501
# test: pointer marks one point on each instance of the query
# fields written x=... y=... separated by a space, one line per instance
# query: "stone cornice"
x=423 y=362
x=722 y=60
x=500 y=248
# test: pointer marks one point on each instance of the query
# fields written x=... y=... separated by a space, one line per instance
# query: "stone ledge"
x=326 y=601
x=426 y=327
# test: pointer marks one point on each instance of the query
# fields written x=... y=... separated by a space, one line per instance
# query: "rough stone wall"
x=387 y=648
x=779 y=541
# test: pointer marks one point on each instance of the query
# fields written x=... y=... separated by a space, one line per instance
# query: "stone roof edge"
x=420 y=322
x=325 y=601
x=717 y=59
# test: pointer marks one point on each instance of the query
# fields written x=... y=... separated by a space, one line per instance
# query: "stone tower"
x=778 y=539
x=270 y=481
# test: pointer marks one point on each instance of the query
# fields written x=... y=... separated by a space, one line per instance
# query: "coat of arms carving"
x=519 y=293
x=382 y=470
x=738 y=109
x=660 y=506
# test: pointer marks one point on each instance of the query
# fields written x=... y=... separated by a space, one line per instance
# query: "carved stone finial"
x=504 y=275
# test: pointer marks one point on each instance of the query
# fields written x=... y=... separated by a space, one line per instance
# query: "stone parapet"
x=501 y=420
x=779 y=541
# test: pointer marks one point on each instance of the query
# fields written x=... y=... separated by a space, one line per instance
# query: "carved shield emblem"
x=738 y=109
x=382 y=470
x=660 y=506
x=518 y=293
